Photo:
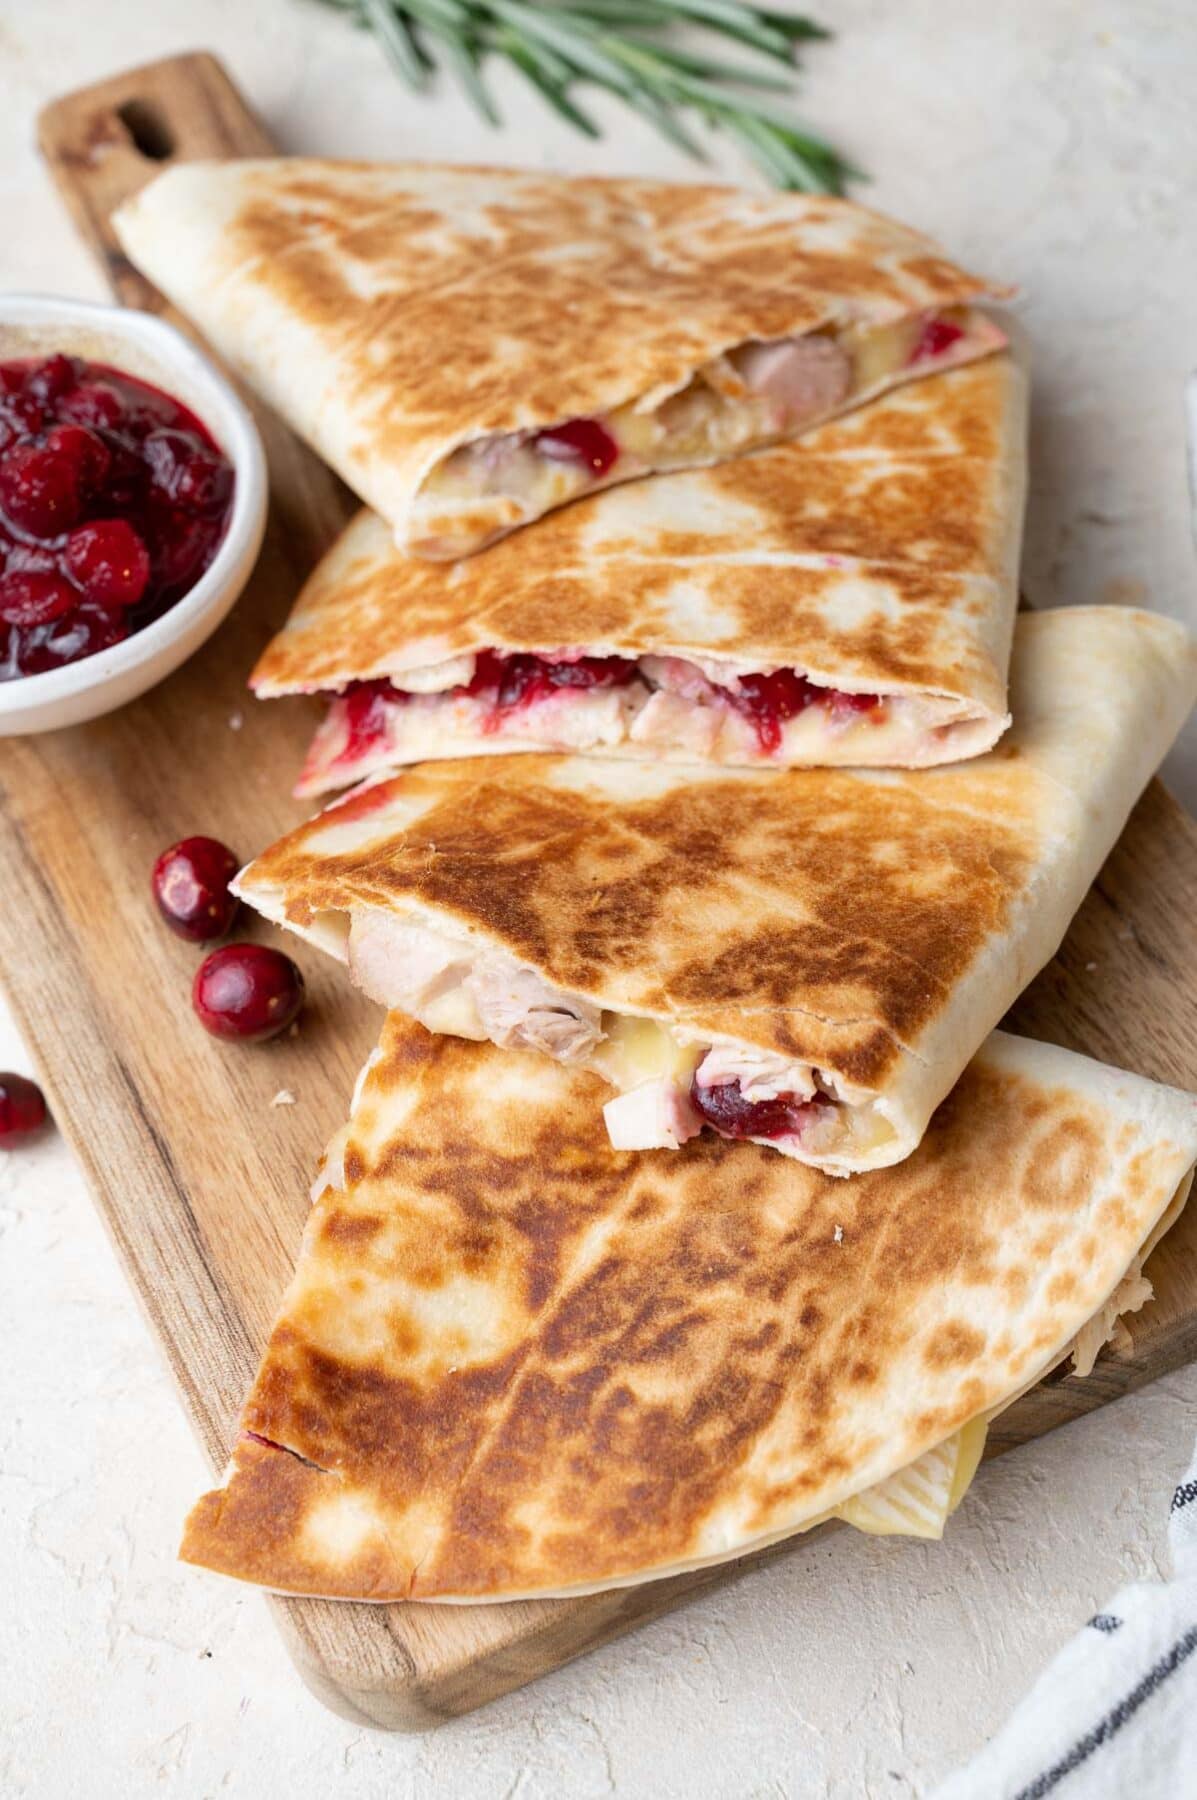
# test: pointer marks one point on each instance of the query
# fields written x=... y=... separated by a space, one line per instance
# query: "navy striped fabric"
x=1114 y=1716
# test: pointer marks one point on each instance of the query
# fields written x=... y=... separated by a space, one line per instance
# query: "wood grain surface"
x=200 y=1177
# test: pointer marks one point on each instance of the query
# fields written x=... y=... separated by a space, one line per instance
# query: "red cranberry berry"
x=22 y=1109
x=92 y=403
x=191 y=886
x=109 y=562
x=39 y=490
x=51 y=379
x=365 y=713
x=89 y=454
x=582 y=441
x=247 y=991
x=520 y=679
x=31 y=597
x=767 y=701
x=844 y=705
x=182 y=552
x=186 y=472
x=206 y=483
x=730 y=1113
x=936 y=338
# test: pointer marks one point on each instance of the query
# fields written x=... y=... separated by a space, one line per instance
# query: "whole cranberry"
x=180 y=548
x=92 y=403
x=22 y=1108
x=51 y=379
x=109 y=561
x=584 y=441
x=191 y=886
x=205 y=483
x=247 y=991
x=90 y=454
x=187 y=473
x=30 y=597
x=39 y=490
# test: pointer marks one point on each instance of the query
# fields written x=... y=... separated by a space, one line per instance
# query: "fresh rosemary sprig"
x=629 y=48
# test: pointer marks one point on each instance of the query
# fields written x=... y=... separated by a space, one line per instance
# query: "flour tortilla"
x=395 y=314
x=866 y=927
x=514 y=1363
x=876 y=555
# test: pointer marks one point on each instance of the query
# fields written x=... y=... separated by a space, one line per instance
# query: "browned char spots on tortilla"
x=878 y=552
x=519 y=273
x=953 y=1343
x=651 y=1348
x=828 y=913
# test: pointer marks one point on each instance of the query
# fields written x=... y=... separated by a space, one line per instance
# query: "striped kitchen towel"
x=1114 y=1716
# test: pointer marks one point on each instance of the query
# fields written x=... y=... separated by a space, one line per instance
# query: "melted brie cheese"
x=638 y=1050
x=918 y=1500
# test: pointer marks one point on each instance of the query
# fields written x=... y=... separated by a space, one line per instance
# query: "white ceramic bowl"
x=37 y=325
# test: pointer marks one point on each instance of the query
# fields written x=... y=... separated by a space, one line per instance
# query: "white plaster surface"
x=1054 y=143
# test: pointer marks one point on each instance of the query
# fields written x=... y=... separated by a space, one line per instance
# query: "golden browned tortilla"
x=512 y=1362
x=419 y=325
x=846 y=937
x=877 y=555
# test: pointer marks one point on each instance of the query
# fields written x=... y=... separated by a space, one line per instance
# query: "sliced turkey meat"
x=681 y=709
x=669 y=1087
x=806 y=377
x=521 y=1012
x=754 y=394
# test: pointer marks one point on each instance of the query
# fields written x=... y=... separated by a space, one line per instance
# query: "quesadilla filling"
x=683 y=709
x=671 y=1082
x=752 y=395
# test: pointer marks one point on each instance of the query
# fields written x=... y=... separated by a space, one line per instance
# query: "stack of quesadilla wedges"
x=705 y=816
x=846 y=599
x=807 y=958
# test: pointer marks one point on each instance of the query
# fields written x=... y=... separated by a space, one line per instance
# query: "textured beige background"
x=1055 y=143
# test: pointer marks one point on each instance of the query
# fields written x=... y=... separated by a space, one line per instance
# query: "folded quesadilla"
x=513 y=1362
x=844 y=600
x=805 y=958
x=470 y=348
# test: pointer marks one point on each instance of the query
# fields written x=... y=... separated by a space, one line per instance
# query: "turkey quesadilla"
x=847 y=599
x=470 y=348
x=806 y=958
x=513 y=1362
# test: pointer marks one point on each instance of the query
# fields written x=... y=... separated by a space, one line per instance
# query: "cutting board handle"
x=103 y=143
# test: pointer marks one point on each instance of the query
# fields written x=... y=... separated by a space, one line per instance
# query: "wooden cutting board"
x=200 y=1177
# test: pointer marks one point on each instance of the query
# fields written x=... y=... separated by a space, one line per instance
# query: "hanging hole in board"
x=151 y=134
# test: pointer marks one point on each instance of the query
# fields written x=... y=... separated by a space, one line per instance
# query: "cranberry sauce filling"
x=509 y=683
x=936 y=338
x=726 y=1109
x=583 y=441
x=513 y=682
x=767 y=701
x=363 y=707
x=113 y=502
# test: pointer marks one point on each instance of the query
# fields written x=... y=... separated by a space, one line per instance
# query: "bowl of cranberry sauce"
x=132 y=506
